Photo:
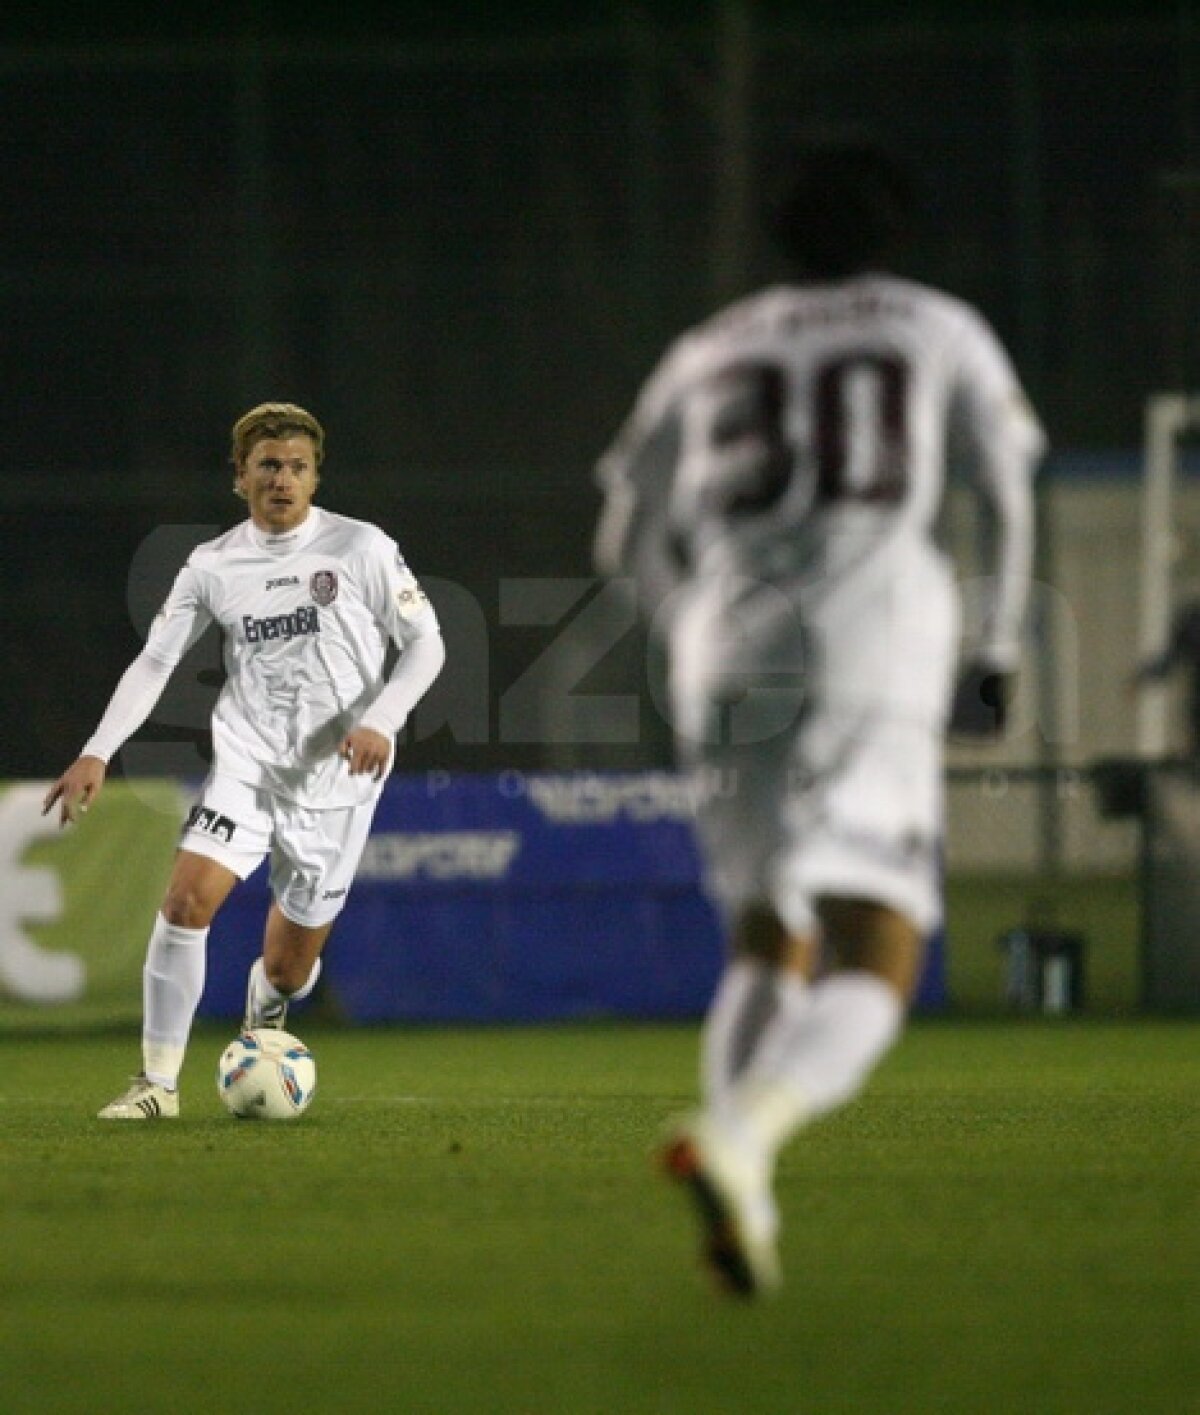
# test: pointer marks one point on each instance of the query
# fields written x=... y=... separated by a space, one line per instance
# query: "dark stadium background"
x=462 y=233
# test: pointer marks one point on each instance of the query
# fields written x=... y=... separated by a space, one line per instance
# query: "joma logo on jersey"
x=281 y=626
x=283 y=580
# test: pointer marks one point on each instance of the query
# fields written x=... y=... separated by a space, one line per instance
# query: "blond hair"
x=275 y=421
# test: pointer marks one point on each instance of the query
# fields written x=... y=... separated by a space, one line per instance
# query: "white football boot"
x=730 y=1190
x=144 y=1100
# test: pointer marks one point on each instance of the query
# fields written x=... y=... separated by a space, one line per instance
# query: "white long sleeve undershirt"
x=131 y=704
x=415 y=671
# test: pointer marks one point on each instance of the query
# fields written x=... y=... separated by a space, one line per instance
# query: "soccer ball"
x=266 y=1075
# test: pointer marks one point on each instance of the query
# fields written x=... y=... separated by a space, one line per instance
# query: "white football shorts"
x=847 y=805
x=836 y=788
x=313 y=853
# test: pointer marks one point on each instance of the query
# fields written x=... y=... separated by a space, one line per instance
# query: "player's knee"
x=187 y=907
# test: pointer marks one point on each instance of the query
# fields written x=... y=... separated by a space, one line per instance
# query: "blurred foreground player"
x=771 y=500
x=303 y=731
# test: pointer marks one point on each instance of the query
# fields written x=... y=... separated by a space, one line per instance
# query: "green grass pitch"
x=467 y=1221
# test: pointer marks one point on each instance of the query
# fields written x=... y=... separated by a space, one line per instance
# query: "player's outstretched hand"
x=76 y=789
x=981 y=701
x=366 y=751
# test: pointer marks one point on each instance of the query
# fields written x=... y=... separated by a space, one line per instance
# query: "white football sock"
x=818 y=1055
x=172 y=981
x=262 y=990
x=747 y=1000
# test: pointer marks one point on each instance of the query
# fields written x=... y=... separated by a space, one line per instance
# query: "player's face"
x=278 y=479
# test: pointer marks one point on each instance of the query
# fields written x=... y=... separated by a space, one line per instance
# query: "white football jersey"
x=306 y=617
x=783 y=470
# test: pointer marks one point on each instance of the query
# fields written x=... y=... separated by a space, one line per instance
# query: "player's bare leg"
x=196 y=890
x=871 y=937
x=287 y=971
x=172 y=982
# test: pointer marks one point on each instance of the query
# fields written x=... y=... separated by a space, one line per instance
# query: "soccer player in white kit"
x=771 y=500
x=303 y=731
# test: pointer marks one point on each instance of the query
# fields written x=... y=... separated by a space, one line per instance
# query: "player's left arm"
x=1005 y=443
x=402 y=607
x=183 y=617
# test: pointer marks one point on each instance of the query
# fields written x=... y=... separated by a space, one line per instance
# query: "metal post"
x=735 y=74
x=255 y=311
x=647 y=168
x=1168 y=417
x=1028 y=244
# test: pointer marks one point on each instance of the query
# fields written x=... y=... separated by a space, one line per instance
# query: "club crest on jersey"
x=323 y=586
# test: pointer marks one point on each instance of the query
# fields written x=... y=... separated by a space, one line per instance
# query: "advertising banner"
x=520 y=897
x=77 y=905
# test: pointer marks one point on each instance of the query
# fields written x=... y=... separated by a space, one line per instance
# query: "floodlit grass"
x=467 y=1221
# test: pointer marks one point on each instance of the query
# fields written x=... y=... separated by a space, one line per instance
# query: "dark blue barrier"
x=513 y=898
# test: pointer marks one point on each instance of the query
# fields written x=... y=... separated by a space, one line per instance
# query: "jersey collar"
x=288 y=541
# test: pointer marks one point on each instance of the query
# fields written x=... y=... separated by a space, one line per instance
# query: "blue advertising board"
x=513 y=897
